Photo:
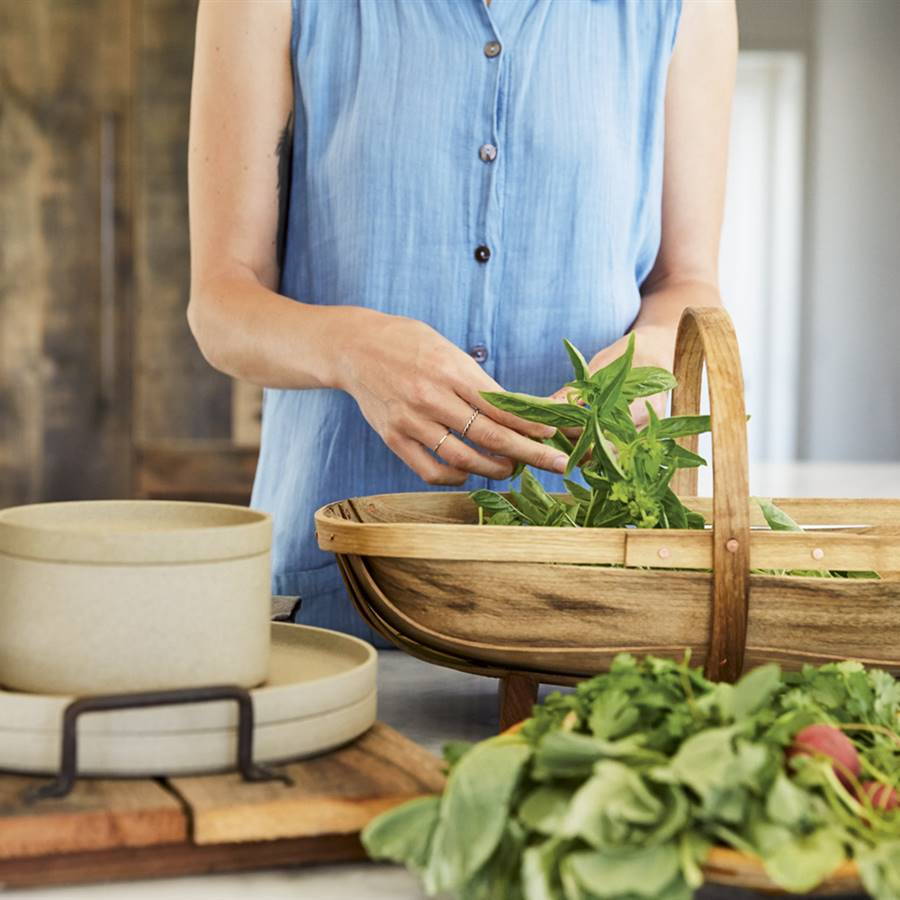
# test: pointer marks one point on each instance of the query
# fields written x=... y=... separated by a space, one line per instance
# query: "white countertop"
x=432 y=705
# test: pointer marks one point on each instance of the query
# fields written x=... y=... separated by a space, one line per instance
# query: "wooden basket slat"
x=576 y=618
x=658 y=548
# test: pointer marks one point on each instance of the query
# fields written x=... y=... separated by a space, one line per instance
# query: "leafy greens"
x=619 y=789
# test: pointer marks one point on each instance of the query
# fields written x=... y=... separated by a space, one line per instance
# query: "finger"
x=460 y=455
x=470 y=392
x=423 y=463
x=491 y=434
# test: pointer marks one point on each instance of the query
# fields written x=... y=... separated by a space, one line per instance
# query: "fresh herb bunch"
x=629 y=470
x=619 y=789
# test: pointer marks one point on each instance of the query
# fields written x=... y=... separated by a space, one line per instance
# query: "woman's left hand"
x=654 y=345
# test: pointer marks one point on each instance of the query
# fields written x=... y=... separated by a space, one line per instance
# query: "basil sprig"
x=626 y=471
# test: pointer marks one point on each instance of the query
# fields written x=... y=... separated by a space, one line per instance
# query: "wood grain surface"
x=176 y=469
x=97 y=815
x=173 y=860
x=142 y=828
x=337 y=793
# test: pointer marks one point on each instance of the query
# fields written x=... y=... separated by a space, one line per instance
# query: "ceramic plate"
x=138 y=754
x=312 y=672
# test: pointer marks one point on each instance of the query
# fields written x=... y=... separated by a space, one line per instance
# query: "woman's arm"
x=241 y=106
x=698 y=112
x=410 y=382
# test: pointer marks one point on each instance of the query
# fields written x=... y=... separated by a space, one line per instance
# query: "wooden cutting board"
x=130 y=829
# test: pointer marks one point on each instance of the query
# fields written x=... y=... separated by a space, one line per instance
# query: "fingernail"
x=560 y=463
x=549 y=431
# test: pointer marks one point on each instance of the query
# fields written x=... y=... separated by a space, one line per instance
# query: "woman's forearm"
x=254 y=334
x=662 y=306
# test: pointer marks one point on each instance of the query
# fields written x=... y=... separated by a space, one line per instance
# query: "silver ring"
x=472 y=418
x=437 y=446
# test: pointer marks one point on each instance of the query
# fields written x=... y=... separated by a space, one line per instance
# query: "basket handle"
x=707 y=333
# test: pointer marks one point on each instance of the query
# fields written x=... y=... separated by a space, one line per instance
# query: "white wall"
x=850 y=334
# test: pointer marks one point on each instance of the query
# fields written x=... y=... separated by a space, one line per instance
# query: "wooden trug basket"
x=530 y=605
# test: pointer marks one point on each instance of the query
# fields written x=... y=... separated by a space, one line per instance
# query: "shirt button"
x=479 y=353
x=482 y=253
x=492 y=49
x=488 y=152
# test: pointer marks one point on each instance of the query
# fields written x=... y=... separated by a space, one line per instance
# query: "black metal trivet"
x=68 y=770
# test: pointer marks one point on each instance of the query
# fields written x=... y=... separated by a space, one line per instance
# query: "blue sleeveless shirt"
x=423 y=130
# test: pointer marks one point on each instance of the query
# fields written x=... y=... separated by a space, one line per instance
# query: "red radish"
x=826 y=740
x=882 y=796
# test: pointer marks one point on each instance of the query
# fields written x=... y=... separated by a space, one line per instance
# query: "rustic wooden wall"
x=96 y=359
x=64 y=186
x=177 y=394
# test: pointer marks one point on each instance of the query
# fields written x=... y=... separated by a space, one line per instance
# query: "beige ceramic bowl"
x=121 y=595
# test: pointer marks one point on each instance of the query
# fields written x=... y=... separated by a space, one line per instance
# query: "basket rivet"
x=818 y=553
x=731 y=545
x=663 y=553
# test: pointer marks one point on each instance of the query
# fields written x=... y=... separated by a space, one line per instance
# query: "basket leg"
x=518 y=693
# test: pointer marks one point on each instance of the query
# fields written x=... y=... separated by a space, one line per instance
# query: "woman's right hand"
x=412 y=385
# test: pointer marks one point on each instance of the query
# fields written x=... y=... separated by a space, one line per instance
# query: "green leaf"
x=500 y=877
x=493 y=502
x=474 y=810
x=682 y=458
x=611 y=378
x=540 y=865
x=605 y=451
x=538 y=409
x=403 y=834
x=568 y=754
x=777 y=518
x=695 y=519
x=705 y=762
x=674 y=509
x=879 y=868
x=756 y=689
x=579 y=364
x=544 y=808
x=578 y=491
x=607 y=804
x=620 y=425
x=640 y=873
x=787 y=804
x=536 y=514
x=582 y=446
x=803 y=863
x=534 y=492
x=613 y=714
x=683 y=426
x=645 y=381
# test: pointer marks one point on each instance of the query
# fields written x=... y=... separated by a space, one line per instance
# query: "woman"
x=397 y=204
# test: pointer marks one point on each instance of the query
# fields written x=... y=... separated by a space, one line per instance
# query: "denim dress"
x=494 y=171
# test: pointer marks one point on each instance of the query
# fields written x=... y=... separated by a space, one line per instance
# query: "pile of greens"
x=619 y=789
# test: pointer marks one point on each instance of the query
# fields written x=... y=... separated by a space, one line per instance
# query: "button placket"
x=485 y=249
